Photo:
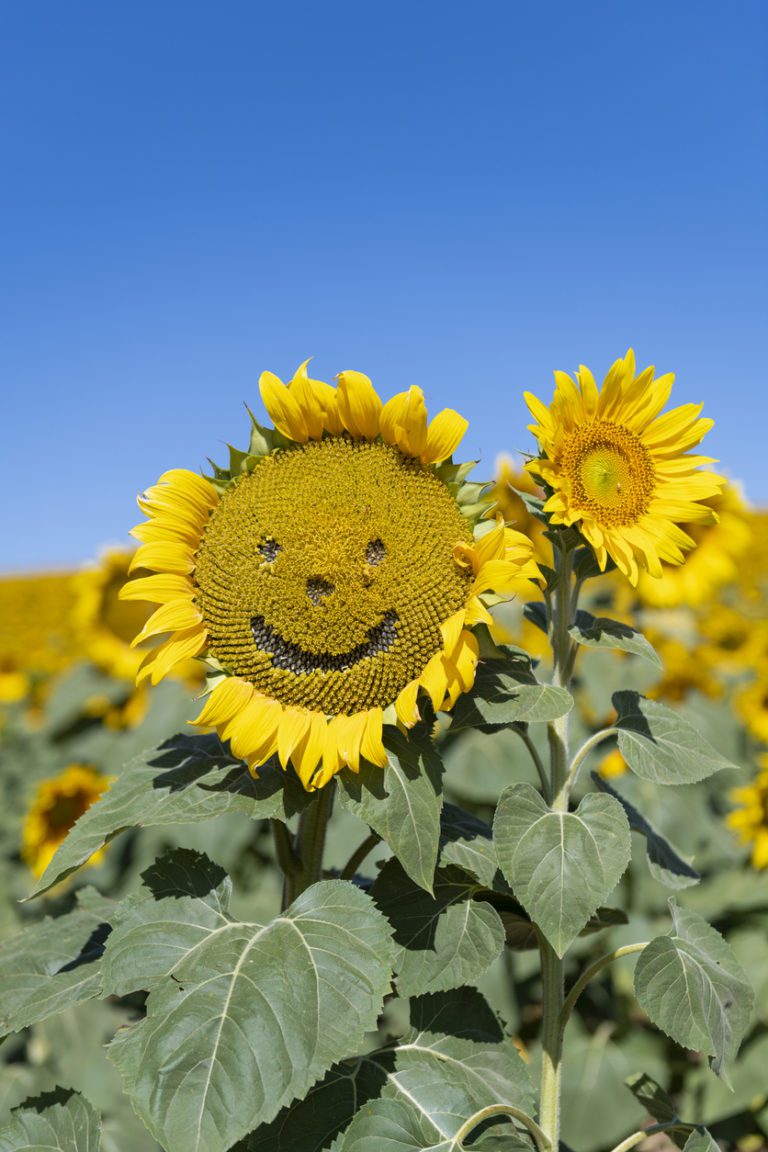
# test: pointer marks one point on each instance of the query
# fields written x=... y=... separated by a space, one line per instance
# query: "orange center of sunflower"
x=610 y=471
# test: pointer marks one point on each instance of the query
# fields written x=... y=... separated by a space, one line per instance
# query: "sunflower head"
x=620 y=471
x=57 y=805
x=104 y=623
x=329 y=576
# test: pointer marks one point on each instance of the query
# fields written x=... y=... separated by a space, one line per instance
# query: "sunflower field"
x=371 y=804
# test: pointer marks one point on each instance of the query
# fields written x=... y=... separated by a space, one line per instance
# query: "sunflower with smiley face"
x=333 y=574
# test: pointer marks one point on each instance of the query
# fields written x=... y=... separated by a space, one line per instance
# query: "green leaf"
x=251 y=1016
x=401 y=802
x=468 y=842
x=499 y=699
x=692 y=987
x=664 y=862
x=53 y=964
x=184 y=900
x=58 y=1121
x=700 y=1141
x=436 y=1082
x=187 y=780
x=561 y=865
x=659 y=745
x=652 y=1096
x=446 y=939
x=315 y=1122
x=600 y=632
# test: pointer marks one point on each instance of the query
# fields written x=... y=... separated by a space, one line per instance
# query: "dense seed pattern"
x=610 y=471
x=324 y=575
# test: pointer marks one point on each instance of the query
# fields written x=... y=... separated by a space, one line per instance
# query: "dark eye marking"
x=270 y=549
x=375 y=552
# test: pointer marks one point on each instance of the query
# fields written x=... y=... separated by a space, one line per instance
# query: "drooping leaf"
x=664 y=862
x=561 y=865
x=58 y=1121
x=251 y=1016
x=691 y=986
x=53 y=964
x=401 y=802
x=467 y=842
x=600 y=632
x=187 y=780
x=436 y=1081
x=652 y=1097
x=446 y=939
x=658 y=744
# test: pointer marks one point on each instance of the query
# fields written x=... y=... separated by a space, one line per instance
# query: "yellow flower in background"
x=612 y=765
x=331 y=580
x=751 y=705
x=732 y=642
x=57 y=805
x=752 y=580
x=508 y=482
x=619 y=470
x=105 y=624
x=715 y=561
x=750 y=819
x=36 y=637
x=685 y=669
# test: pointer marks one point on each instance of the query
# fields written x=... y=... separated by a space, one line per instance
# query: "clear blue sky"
x=459 y=195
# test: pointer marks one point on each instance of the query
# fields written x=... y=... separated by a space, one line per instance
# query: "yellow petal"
x=283 y=409
x=403 y=421
x=450 y=630
x=191 y=483
x=158 y=589
x=164 y=557
x=175 y=616
x=253 y=731
x=444 y=435
x=359 y=405
x=465 y=658
x=159 y=662
x=303 y=392
x=228 y=698
x=350 y=735
x=372 y=748
x=477 y=613
x=293 y=728
x=308 y=752
x=406 y=706
x=434 y=679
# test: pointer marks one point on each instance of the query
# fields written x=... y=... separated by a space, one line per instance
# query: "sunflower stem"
x=310 y=844
x=561 y=611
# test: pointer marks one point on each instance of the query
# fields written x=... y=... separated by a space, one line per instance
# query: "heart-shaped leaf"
x=561 y=865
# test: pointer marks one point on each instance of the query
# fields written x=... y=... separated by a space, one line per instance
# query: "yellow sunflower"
x=612 y=765
x=751 y=705
x=508 y=482
x=620 y=471
x=716 y=560
x=106 y=625
x=329 y=577
x=750 y=819
x=57 y=805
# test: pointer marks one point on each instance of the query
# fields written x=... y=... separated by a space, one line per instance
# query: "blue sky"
x=463 y=196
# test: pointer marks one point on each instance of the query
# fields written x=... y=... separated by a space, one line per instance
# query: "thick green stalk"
x=552 y=967
x=310 y=843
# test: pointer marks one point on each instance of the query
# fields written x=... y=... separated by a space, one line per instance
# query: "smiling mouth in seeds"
x=291 y=657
